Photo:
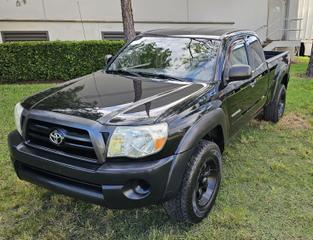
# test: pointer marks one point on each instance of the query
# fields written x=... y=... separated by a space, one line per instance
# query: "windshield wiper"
x=145 y=74
x=161 y=76
x=124 y=72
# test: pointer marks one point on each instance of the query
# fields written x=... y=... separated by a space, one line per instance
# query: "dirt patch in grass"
x=258 y=123
x=293 y=121
x=303 y=76
x=290 y=121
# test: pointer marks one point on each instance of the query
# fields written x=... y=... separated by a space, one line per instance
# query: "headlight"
x=17 y=116
x=136 y=142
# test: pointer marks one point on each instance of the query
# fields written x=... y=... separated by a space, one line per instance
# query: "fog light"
x=137 y=189
x=143 y=188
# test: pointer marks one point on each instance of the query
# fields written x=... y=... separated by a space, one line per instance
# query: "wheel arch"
x=214 y=123
x=281 y=78
x=216 y=135
x=210 y=127
x=285 y=80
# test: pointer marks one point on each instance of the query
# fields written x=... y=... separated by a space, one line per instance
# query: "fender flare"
x=186 y=147
x=281 y=72
x=202 y=127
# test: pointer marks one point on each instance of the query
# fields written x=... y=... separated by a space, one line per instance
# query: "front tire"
x=200 y=185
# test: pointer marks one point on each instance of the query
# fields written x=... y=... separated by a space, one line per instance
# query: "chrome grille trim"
x=93 y=128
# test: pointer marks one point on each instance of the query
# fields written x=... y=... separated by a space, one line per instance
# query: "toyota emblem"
x=56 y=137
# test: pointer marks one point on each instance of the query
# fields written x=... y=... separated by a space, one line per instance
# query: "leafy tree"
x=145 y=56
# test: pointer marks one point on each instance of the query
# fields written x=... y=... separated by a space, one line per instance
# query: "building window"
x=114 y=35
x=14 y=36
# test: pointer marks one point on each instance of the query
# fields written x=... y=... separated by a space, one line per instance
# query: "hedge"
x=52 y=61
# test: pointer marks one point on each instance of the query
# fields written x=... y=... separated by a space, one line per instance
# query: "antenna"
x=81 y=20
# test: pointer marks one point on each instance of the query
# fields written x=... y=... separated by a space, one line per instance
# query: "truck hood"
x=109 y=98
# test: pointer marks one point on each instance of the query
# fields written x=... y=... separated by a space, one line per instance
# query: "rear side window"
x=256 y=53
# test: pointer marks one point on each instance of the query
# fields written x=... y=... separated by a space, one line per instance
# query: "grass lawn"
x=267 y=189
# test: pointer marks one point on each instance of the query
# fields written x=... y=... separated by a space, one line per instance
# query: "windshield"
x=188 y=59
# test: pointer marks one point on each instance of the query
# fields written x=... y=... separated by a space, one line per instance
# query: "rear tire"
x=200 y=185
x=275 y=110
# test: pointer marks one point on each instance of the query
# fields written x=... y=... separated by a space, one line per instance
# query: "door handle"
x=253 y=83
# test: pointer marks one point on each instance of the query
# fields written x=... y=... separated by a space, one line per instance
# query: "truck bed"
x=274 y=57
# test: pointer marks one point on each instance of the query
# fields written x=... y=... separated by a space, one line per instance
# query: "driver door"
x=238 y=97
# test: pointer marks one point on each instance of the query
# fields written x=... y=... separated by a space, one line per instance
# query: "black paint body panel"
x=100 y=101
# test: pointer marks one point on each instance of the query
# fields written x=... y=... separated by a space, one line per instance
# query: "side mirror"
x=107 y=58
x=240 y=72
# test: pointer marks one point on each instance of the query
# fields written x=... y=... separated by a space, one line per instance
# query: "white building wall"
x=250 y=14
x=61 y=18
x=306 y=13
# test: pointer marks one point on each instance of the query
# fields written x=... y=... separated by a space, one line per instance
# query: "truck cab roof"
x=201 y=32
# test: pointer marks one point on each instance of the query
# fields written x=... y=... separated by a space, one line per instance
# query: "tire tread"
x=177 y=207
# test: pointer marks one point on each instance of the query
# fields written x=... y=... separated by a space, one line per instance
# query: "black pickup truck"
x=150 y=128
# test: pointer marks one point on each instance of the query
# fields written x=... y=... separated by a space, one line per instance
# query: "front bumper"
x=118 y=185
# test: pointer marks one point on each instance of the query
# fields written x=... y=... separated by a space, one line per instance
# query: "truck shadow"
x=78 y=216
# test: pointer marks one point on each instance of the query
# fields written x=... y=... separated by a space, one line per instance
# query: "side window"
x=237 y=55
x=256 y=52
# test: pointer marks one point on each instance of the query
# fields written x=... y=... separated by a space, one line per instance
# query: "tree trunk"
x=309 y=72
x=128 y=20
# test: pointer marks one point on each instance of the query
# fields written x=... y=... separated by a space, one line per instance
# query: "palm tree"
x=128 y=20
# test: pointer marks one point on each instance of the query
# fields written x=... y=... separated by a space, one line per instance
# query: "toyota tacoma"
x=151 y=126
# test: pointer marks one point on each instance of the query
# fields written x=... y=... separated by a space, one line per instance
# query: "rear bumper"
x=118 y=185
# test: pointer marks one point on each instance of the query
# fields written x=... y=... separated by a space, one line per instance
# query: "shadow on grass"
x=77 y=217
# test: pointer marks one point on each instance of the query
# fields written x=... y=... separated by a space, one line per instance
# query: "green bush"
x=52 y=61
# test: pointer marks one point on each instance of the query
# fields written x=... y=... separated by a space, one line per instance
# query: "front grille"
x=76 y=141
